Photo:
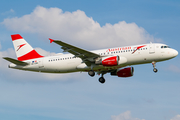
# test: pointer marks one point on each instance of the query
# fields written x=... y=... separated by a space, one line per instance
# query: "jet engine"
x=125 y=72
x=110 y=61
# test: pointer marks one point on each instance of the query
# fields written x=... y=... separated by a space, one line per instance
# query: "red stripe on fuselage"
x=31 y=55
x=138 y=48
x=16 y=37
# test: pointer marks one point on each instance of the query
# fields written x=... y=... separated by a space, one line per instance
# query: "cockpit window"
x=165 y=47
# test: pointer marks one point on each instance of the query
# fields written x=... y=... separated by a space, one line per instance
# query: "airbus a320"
x=116 y=61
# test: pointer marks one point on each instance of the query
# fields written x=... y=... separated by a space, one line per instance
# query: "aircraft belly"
x=61 y=66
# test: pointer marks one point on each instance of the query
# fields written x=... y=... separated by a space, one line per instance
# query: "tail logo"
x=20 y=46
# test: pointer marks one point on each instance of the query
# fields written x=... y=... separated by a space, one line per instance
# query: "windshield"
x=165 y=47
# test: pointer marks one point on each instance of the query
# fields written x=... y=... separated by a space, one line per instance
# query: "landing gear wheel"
x=102 y=80
x=155 y=70
x=154 y=66
x=91 y=73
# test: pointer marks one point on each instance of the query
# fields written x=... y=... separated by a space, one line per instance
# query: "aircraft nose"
x=175 y=53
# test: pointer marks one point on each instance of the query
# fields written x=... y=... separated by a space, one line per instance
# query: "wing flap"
x=17 y=62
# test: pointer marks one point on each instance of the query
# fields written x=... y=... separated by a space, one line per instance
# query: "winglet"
x=51 y=40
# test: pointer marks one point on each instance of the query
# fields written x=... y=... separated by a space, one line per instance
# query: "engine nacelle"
x=125 y=72
x=108 y=61
x=111 y=61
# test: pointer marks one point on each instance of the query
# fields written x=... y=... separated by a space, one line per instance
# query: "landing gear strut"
x=154 y=66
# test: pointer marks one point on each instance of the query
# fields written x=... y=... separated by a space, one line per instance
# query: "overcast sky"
x=90 y=25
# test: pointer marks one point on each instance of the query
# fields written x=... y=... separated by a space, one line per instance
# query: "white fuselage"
x=129 y=55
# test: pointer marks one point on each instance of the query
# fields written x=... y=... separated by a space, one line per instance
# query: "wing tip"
x=51 y=40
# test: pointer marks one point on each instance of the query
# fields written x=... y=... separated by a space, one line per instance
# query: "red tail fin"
x=23 y=50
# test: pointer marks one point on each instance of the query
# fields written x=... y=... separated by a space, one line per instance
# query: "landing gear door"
x=151 y=48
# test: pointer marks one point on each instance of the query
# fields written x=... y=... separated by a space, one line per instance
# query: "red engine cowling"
x=110 y=61
x=126 y=72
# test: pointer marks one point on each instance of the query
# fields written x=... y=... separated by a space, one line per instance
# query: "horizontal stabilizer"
x=17 y=62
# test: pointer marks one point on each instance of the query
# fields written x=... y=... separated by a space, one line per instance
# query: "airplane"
x=117 y=61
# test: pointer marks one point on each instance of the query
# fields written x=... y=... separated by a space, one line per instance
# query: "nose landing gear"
x=155 y=70
x=154 y=66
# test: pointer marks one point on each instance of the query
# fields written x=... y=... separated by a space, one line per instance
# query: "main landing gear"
x=154 y=66
x=101 y=79
x=91 y=73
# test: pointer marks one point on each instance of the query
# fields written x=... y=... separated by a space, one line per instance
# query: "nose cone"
x=175 y=53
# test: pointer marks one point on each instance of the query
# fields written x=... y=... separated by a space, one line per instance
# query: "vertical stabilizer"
x=23 y=50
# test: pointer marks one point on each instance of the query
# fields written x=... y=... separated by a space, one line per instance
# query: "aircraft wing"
x=17 y=62
x=78 y=52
